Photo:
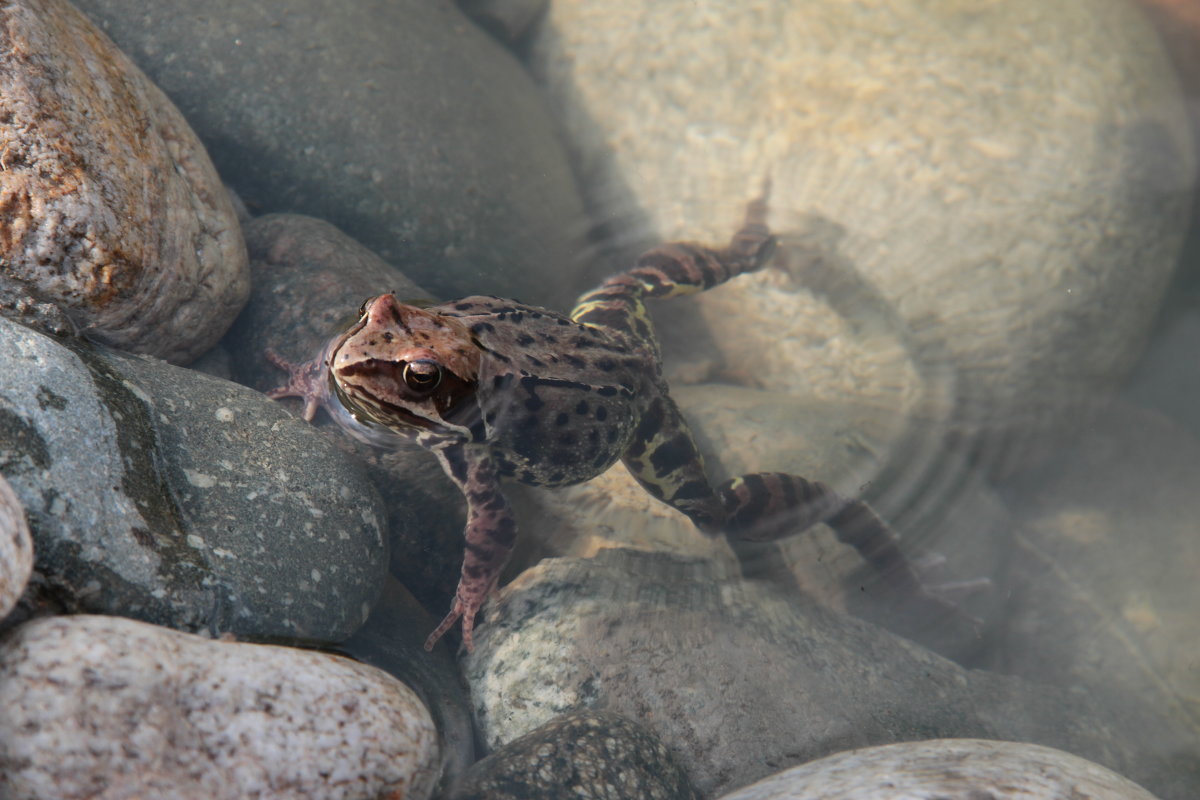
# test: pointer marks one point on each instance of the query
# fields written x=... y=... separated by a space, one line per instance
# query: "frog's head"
x=404 y=367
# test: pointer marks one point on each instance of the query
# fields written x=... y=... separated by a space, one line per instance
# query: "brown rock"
x=109 y=206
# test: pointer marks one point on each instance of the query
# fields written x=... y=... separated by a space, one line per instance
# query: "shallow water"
x=981 y=319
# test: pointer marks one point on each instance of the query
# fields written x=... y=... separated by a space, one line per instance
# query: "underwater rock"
x=741 y=430
x=413 y=131
x=310 y=279
x=583 y=755
x=739 y=680
x=1104 y=588
x=163 y=494
x=16 y=549
x=992 y=197
x=112 y=209
x=507 y=20
x=948 y=769
x=102 y=706
x=393 y=639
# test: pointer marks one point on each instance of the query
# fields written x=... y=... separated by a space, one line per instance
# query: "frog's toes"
x=466 y=609
x=306 y=380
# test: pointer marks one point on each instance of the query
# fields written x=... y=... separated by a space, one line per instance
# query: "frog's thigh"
x=665 y=461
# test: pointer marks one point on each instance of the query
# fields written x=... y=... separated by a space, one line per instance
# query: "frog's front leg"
x=490 y=533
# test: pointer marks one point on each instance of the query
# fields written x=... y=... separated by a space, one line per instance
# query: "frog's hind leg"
x=664 y=459
x=764 y=506
x=676 y=269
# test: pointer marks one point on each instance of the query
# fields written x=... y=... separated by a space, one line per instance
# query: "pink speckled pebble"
x=16 y=549
x=109 y=707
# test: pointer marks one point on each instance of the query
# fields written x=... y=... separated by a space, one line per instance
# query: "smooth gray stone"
x=166 y=495
x=740 y=681
x=399 y=121
x=585 y=755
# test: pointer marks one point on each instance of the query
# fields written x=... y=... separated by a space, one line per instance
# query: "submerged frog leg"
x=664 y=459
x=490 y=533
x=672 y=270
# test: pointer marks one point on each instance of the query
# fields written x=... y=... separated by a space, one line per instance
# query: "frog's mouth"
x=395 y=409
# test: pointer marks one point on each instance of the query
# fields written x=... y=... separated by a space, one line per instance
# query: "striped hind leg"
x=764 y=506
x=675 y=269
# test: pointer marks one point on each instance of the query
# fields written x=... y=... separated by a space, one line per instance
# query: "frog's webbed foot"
x=307 y=380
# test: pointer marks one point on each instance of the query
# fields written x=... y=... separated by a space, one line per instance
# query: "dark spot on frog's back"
x=482 y=327
x=524 y=340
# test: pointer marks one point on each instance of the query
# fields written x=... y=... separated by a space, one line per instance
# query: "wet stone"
x=310 y=280
x=739 y=680
x=163 y=494
x=585 y=755
x=393 y=640
x=1104 y=588
x=958 y=207
x=947 y=769
x=16 y=549
x=102 y=706
x=113 y=213
x=452 y=166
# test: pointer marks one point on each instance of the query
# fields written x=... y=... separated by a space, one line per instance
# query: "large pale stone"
x=948 y=769
x=109 y=707
x=1010 y=179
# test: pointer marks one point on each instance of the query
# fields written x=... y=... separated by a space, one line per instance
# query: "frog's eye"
x=422 y=376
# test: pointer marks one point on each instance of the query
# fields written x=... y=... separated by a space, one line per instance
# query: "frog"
x=499 y=390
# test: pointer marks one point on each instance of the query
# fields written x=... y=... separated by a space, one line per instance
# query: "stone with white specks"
x=166 y=495
x=740 y=679
x=103 y=706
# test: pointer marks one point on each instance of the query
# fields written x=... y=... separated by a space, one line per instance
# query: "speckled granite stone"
x=947 y=769
x=586 y=755
x=16 y=549
x=109 y=707
x=111 y=208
